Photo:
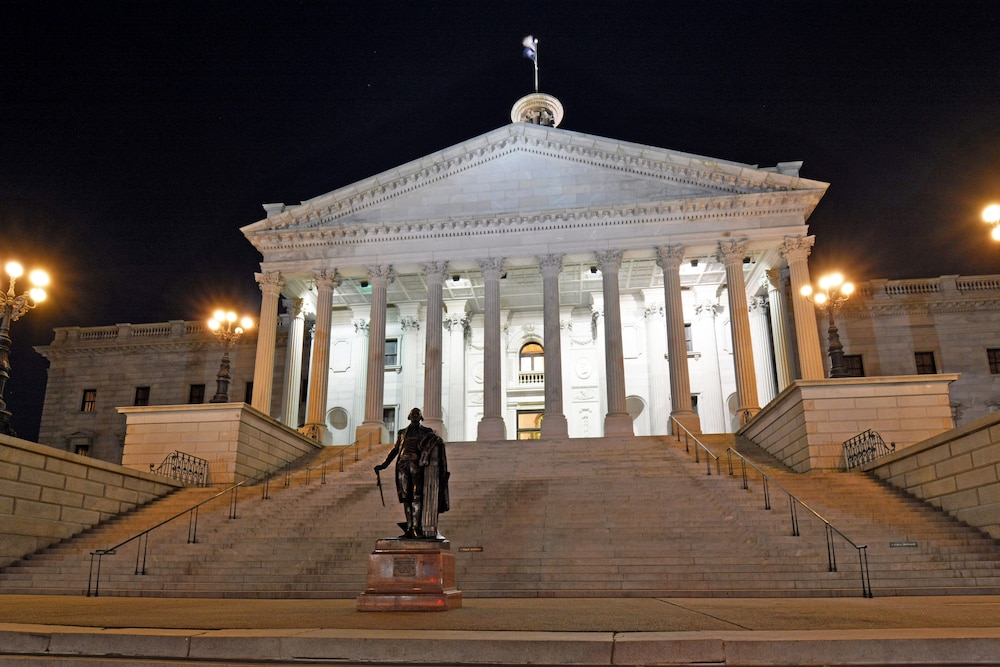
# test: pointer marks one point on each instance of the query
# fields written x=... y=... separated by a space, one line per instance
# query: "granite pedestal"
x=406 y=574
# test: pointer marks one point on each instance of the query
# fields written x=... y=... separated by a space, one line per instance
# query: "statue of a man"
x=421 y=475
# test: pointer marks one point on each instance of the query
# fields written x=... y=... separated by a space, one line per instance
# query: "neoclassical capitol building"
x=538 y=282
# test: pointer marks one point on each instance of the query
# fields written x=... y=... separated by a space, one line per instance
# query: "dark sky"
x=137 y=137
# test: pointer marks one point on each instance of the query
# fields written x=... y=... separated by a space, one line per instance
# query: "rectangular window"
x=248 y=393
x=391 y=352
x=529 y=424
x=925 y=363
x=993 y=355
x=688 y=340
x=389 y=417
x=89 y=403
x=196 y=394
x=853 y=366
x=82 y=450
x=141 y=396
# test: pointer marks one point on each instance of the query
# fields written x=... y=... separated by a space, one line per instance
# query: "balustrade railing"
x=190 y=470
x=141 y=539
x=865 y=447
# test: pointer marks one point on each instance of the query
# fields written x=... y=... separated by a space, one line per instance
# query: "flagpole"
x=535 y=60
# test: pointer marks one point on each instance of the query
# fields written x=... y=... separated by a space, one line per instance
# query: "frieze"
x=690 y=211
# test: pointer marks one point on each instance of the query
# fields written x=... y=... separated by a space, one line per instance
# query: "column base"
x=491 y=428
x=437 y=426
x=689 y=420
x=555 y=426
x=617 y=424
x=375 y=431
x=411 y=575
x=314 y=432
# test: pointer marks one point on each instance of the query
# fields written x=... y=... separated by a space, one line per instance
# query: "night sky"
x=138 y=137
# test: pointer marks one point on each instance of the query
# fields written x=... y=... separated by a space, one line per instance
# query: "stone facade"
x=643 y=276
x=95 y=370
x=953 y=322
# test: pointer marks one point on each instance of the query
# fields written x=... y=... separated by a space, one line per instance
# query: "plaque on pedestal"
x=411 y=575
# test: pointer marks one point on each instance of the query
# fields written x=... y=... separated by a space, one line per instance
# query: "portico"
x=428 y=280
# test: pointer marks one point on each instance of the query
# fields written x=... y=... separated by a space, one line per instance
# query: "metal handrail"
x=142 y=538
x=793 y=502
x=699 y=447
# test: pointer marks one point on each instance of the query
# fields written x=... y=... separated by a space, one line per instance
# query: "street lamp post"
x=830 y=296
x=221 y=325
x=991 y=215
x=14 y=306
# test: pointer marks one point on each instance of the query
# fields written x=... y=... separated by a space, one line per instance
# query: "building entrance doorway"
x=529 y=424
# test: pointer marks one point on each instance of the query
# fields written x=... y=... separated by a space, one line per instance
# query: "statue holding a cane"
x=421 y=477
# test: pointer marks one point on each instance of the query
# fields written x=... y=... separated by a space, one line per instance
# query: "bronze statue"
x=421 y=477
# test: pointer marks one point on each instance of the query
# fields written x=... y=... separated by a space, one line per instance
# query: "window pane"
x=196 y=394
x=994 y=358
x=925 y=363
x=391 y=352
x=89 y=403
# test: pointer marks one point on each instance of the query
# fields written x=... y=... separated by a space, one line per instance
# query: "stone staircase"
x=575 y=518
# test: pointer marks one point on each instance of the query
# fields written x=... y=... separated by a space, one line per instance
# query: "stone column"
x=779 y=328
x=669 y=259
x=271 y=284
x=491 y=426
x=796 y=251
x=656 y=351
x=435 y=273
x=409 y=356
x=711 y=407
x=379 y=277
x=455 y=390
x=319 y=369
x=293 y=362
x=554 y=424
x=359 y=361
x=760 y=336
x=731 y=253
x=617 y=422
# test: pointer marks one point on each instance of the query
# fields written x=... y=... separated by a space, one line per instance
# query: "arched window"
x=532 y=358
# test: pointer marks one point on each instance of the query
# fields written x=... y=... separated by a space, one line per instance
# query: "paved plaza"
x=955 y=630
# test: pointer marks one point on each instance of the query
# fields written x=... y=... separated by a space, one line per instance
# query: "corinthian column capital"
x=270 y=282
x=732 y=250
x=670 y=256
x=796 y=247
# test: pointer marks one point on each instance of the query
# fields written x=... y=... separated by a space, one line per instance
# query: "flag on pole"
x=530 y=48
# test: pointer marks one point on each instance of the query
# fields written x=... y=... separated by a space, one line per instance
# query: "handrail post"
x=866 y=583
x=342 y=460
x=97 y=580
x=767 y=492
x=831 y=549
x=746 y=484
x=794 y=515
x=288 y=474
x=232 y=502
x=193 y=526
x=322 y=478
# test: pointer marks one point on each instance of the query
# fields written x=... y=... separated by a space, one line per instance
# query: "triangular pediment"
x=525 y=169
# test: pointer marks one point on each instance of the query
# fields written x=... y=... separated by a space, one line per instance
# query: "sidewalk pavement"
x=944 y=630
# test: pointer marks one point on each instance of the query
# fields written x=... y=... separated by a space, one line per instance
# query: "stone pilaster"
x=617 y=422
x=554 y=425
x=271 y=284
x=731 y=253
x=409 y=356
x=491 y=426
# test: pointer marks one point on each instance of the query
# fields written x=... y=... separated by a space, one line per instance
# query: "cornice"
x=693 y=209
x=130 y=346
x=869 y=310
x=650 y=162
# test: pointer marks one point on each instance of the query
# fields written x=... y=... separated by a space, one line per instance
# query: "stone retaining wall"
x=957 y=471
x=47 y=495
x=237 y=441
x=807 y=424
